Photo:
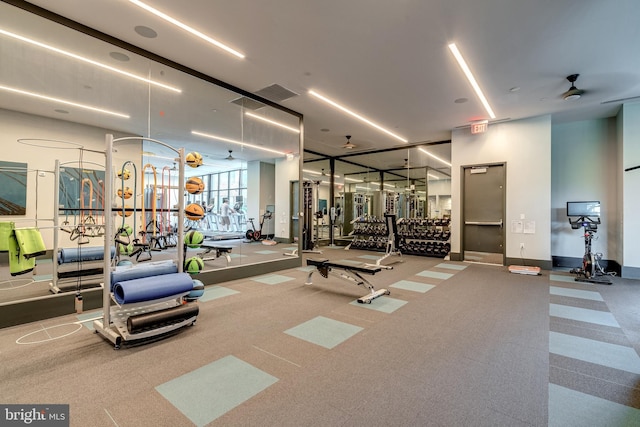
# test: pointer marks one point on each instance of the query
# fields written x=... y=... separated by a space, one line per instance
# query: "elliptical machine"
x=590 y=271
x=254 y=235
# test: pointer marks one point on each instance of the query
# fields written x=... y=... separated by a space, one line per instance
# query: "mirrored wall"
x=413 y=184
x=62 y=91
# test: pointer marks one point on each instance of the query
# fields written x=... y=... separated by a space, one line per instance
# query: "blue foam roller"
x=196 y=292
x=150 y=288
x=140 y=271
x=83 y=253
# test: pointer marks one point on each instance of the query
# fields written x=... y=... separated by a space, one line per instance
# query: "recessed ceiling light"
x=87 y=60
x=187 y=28
x=357 y=116
x=325 y=130
x=471 y=78
x=146 y=32
x=514 y=89
x=58 y=110
x=119 y=56
x=62 y=101
x=461 y=100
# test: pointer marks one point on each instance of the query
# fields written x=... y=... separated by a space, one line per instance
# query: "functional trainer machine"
x=348 y=272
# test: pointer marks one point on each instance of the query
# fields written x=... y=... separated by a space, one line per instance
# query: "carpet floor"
x=453 y=344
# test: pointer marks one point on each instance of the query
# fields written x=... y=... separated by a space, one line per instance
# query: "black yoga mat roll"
x=162 y=317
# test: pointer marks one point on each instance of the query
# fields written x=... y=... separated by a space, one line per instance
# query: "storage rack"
x=113 y=323
x=369 y=233
x=424 y=236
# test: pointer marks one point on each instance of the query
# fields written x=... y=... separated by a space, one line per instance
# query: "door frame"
x=504 y=206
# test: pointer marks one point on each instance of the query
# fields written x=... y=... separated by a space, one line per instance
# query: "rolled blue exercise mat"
x=151 y=288
x=83 y=253
x=123 y=274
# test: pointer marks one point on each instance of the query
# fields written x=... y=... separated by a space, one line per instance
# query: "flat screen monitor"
x=591 y=209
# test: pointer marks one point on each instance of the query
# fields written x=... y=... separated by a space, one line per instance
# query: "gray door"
x=483 y=213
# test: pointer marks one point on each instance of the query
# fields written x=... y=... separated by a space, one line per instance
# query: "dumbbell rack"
x=424 y=237
x=369 y=233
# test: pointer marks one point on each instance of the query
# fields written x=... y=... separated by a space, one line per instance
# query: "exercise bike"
x=590 y=271
x=254 y=235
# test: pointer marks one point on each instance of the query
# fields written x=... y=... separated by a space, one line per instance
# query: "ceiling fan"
x=573 y=92
x=348 y=145
x=230 y=156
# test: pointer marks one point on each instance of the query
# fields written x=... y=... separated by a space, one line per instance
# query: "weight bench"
x=348 y=272
x=219 y=251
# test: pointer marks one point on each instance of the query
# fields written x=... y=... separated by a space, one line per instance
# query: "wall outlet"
x=521 y=245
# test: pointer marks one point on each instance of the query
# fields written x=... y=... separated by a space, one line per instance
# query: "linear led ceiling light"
x=62 y=101
x=472 y=80
x=233 y=141
x=352 y=179
x=273 y=122
x=88 y=61
x=187 y=28
x=318 y=173
x=357 y=116
x=434 y=156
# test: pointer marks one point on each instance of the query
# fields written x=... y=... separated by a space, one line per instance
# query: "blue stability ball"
x=196 y=292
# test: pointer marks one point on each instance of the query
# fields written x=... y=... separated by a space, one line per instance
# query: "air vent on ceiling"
x=247 y=103
x=276 y=93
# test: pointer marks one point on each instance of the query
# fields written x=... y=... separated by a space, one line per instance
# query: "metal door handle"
x=483 y=223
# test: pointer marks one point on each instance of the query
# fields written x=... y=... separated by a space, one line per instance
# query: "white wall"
x=286 y=171
x=584 y=167
x=631 y=190
x=22 y=126
x=525 y=146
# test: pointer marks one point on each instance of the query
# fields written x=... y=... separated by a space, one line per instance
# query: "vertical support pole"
x=332 y=171
x=108 y=230
x=56 y=221
x=180 y=210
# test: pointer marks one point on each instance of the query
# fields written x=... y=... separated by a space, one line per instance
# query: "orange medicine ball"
x=194 y=185
x=194 y=212
x=126 y=194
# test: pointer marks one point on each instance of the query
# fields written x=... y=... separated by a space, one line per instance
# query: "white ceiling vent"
x=276 y=93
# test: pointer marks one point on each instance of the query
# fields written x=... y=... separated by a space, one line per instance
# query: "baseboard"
x=606 y=264
x=544 y=265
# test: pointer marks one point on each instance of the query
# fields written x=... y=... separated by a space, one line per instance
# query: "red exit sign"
x=479 y=127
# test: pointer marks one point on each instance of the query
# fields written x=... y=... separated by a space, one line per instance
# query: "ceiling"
x=389 y=61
